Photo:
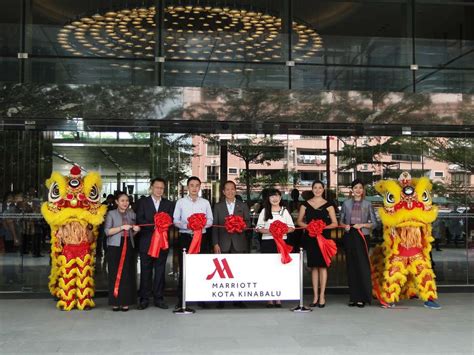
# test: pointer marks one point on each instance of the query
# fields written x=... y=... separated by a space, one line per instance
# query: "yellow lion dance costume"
x=402 y=263
x=74 y=213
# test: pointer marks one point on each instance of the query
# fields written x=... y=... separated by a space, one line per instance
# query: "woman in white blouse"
x=271 y=212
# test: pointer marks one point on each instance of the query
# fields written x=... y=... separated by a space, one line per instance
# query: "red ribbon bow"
x=196 y=222
x=278 y=229
x=328 y=247
x=234 y=224
x=159 y=239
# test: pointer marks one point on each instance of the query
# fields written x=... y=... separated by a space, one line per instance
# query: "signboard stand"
x=301 y=308
x=184 y=310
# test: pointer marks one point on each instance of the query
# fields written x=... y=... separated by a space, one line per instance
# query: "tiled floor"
x=35 y=326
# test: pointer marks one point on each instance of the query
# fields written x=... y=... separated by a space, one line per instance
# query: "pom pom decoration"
x=75 y=170
x=196 y=222
x=278 y=229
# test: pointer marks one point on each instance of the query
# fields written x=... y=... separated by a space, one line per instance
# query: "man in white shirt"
x=184 y=208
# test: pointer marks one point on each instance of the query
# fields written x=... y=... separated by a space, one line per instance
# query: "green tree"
x=459 y=151
x=252 y=150
x=171 y=159
x=374 y=150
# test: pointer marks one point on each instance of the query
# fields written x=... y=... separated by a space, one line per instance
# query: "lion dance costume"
x=402 y=263
x=74 y=213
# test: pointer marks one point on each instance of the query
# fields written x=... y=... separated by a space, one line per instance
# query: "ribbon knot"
x=278 y=229
x=159 y=239
x=328 y=247
x=234 y=224
x=196 y=222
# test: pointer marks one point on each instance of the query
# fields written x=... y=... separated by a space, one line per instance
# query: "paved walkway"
x=35 y=326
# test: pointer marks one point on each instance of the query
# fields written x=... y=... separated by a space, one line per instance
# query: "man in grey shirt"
x=184 y=208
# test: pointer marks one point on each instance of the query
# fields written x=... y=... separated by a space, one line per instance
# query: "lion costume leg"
x=424 y=279
x=85 y=280
x=395 y=277
x=76 y=284
x=409 y=290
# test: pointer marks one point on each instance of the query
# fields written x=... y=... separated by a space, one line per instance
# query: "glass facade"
x=134 y=89
x=330 y=45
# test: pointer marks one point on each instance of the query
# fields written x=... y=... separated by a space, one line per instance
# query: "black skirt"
x=358 y=267
x=314 y=256
x=127 y=294
x=268 y=246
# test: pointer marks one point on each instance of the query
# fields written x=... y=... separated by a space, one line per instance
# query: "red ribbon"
x=159 y=239
x=234 y=224
x=120 y=268
x=278 y=229
x=196 y=222
x=327 y=246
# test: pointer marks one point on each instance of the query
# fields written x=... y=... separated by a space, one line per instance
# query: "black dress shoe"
x=142 y=305
x=161 y=305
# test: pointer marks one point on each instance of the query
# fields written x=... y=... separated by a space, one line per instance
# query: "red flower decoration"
x=315 y=227
x=159 y=239
x=196 y=222
x=278 y=229
x=234 y=224
x=328 y=247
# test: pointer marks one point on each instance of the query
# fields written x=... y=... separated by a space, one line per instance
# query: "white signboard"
x=241 y=277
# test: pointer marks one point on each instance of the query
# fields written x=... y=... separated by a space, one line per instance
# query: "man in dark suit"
x=222 y=241
x=146 y=210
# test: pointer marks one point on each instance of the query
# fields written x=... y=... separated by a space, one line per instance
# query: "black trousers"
x=358 y=267
x=184 y=241
x=152 y=269
x=127 y=294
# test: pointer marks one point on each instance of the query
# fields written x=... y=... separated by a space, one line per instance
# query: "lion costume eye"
x=389 y=198
x=94 y=194
x=54 y=194
x=425 y=197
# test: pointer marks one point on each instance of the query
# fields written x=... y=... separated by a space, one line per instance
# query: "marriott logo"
x=221 y=268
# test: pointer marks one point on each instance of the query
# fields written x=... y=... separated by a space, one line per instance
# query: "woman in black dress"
x=317 y=208
x=117 y=221
x=358 y=217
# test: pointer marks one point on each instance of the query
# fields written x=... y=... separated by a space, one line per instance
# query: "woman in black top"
x=317 y=208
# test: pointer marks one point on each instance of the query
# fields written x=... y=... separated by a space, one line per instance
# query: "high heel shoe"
x=321 y=305
x=312 y=305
